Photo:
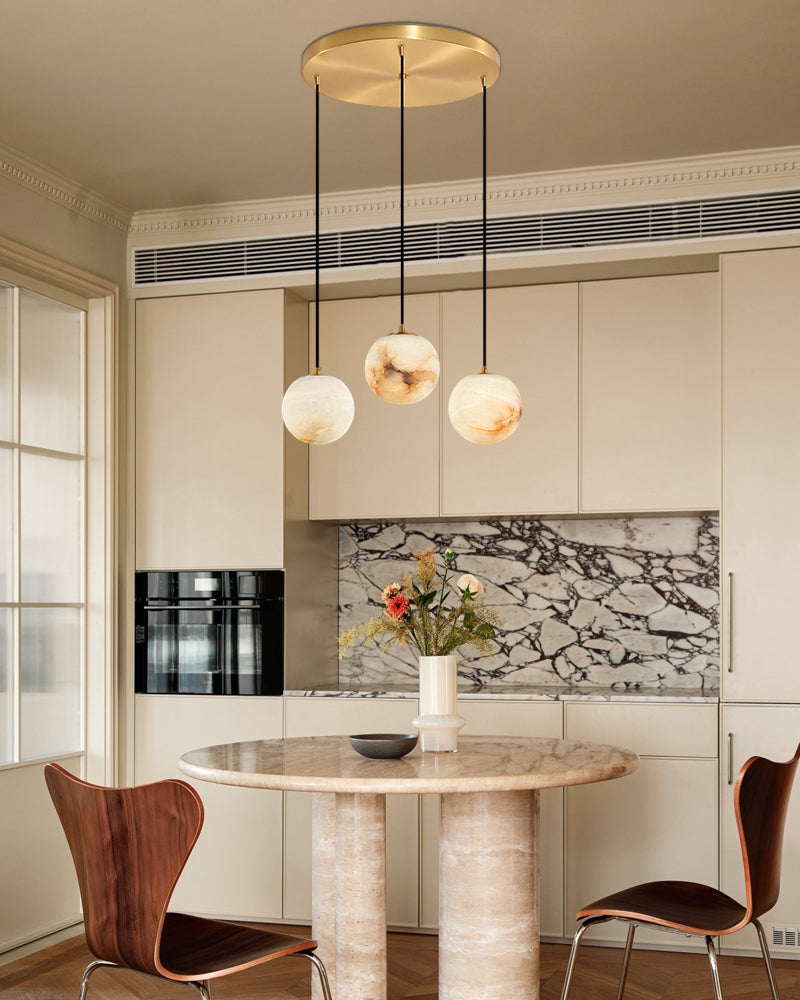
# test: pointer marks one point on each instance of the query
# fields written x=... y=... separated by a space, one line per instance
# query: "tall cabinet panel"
x=209 y=435
x=761 y=474
x=650 y=391
x=771 y=731
x=235 y=869
x=387 y=464
x=532 y=337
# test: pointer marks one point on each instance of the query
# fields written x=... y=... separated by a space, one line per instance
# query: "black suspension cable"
x=402 y=186
x=483 y=80
x=316 y=237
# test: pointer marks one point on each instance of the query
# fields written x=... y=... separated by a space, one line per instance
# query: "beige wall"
x=44 y=224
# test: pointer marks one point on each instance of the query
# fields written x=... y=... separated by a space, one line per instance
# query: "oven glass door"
x=210 y=650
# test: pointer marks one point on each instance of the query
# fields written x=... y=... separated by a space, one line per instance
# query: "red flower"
x=396 y=606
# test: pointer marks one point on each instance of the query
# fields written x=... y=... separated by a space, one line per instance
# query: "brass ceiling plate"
x=362 y=65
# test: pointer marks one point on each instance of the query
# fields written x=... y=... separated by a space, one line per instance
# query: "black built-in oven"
x=209 y=632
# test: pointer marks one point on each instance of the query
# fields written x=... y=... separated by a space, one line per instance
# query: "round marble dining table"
x=488 y=847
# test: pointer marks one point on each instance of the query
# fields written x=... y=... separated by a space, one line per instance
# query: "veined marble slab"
x=653 y=695
x=608 y=603
x=482 y=763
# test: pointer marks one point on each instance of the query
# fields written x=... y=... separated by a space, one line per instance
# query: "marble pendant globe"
x=402 y=367
x=485 y=408
x=318 y=409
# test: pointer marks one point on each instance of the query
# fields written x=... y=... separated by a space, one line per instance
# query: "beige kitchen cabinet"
x=346 y=716
x=209 y=435
x=235 y=869
x=505 y=718
x=650 y=394
x=658 y=823
x=771 y=731
x=761 y=474
x=532 y=338
x=387 y=464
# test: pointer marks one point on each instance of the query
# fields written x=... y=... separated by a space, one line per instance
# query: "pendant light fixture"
x=437 y=65
x=317 y=409
x=402 y=367
x=485 y=408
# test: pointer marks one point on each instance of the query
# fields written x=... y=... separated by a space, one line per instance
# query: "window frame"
x=43 y=275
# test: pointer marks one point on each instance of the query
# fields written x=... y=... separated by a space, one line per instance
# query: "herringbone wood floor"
x=54 y=974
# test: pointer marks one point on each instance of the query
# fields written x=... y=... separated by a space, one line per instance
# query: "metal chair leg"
x=712 y=960
x=202 y=988
x=625 y=960
x=90 y=968
x=316 y=961
x=762 y=940
x=574 y=951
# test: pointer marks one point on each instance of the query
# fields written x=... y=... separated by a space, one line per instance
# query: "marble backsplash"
x=622 y=603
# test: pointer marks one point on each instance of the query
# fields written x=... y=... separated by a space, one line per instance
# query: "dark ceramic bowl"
x=384 y=746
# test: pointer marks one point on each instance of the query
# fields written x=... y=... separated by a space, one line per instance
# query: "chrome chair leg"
x=574 y=951
x=202 y=987
x=762 y=940
x=625 y=960
x=316 y=961
x=90 y=968
x=712 y=960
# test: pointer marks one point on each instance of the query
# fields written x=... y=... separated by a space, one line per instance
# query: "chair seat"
x=682 y=906
x=197 y=948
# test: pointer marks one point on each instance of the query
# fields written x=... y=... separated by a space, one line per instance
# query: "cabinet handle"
x=730 y=758
x=730 y=624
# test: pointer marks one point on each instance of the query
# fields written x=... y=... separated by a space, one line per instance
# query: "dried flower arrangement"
x=421 y=612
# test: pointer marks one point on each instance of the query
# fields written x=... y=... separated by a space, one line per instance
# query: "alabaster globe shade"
x=402 y=368
x=485 y=408
x=318 y=409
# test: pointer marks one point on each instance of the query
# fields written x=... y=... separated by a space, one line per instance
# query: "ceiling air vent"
x=653 y=223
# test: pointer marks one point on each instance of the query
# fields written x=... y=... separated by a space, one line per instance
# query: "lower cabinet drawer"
x=648 y=729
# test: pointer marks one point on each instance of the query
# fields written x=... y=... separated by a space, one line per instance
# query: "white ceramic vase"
x=438 y=721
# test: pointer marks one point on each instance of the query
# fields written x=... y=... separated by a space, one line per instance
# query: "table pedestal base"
x=489 y=896
x=349 y=893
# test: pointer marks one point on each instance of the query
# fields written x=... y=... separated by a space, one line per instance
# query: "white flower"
x=468 y=582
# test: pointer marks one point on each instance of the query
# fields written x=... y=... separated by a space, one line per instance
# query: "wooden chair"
x=760 y=799
x=129 y=846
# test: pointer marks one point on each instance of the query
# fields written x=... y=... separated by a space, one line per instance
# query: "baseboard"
x=50 y=937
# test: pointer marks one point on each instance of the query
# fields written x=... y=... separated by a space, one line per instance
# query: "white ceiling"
x=161 y=103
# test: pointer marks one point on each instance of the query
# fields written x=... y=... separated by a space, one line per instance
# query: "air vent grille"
x=653 y=223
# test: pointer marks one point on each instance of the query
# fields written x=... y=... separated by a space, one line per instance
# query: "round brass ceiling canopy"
x=362 y=65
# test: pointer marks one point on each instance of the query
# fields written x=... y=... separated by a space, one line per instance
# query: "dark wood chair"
x=129 y=846
x=760 y=799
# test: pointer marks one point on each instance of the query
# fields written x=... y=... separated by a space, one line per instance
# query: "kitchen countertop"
x=522 y=693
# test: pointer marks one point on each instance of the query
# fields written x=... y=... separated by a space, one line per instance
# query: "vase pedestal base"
x=438 y=733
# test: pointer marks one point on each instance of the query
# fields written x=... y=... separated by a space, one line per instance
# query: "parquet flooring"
x=54 y=974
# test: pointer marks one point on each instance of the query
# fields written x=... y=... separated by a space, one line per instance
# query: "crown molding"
x=658 y=180
x=60 y=189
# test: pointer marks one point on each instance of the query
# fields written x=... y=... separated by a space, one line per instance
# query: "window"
x=43 y=536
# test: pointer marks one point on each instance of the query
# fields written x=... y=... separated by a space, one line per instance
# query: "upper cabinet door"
x=650 y=394
x=209 y=435
x=761 y=462
x=387 y=464
x=532 y=338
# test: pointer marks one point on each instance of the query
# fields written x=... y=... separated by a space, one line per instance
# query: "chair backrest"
x=761 y=798
x=129 y=846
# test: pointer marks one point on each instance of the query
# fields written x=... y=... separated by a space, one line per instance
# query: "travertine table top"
x=482 y=763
